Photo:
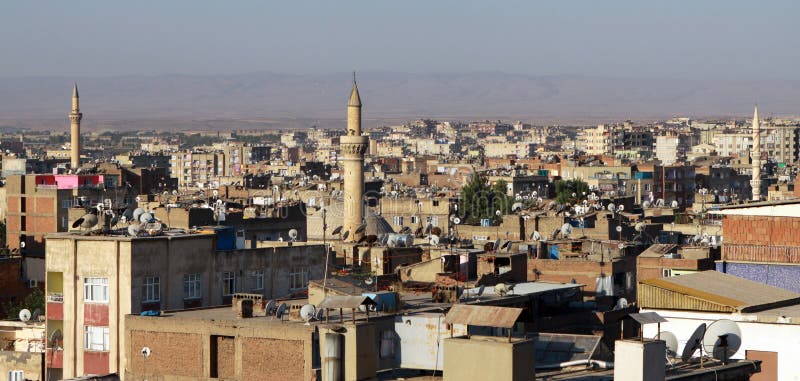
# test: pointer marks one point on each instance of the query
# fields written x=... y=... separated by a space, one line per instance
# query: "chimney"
x=644 y=360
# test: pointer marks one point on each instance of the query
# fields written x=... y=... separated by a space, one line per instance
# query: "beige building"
x=596 y=141
x=94 y=281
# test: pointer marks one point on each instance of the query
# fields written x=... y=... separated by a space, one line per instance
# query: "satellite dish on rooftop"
x=270 y=307
x=361 y=228
x=320 y=314
x=536 y=236
x=516 y=207
x=293 y=234
x=566 y=230
x=456 y=220
x=646 y=204
x=137 y=213
x=722 y=339
x=308 y=312
x=612 y=208
x=622 y=304
x=55 y=337
x=434 y=240
x=672 y=343
x=146 y=352
x=694 y=343
x=133 y=230
x=281 y=310
x=640 y=226
x=674 y=203
x=25 y=315
x=337 y=230
x=346 y=234
x=145 y=218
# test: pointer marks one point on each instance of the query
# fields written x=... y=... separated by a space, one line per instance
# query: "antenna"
x=694 y=343
x=281 y=311
x=308 y=312
x=25 y=315
x=722 y=339
x=293 y=234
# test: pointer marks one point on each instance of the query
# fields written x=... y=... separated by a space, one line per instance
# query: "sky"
x=734 y=39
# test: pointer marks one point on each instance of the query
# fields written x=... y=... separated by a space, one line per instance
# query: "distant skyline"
x=725 y=40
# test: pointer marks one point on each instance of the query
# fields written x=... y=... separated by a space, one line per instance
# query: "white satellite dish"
x=536 y=236
x=672 y=343
x=281 y=310
x=368 y=281
x=640 y=226
x=133 y=230
x=434 y=240
x=722 y=339
x=501 y=289
x=24 y=315
x=308 y=312
x=293 y=234
x=618 y=229
x=646 y=204
x=622 y=303
x=146 y=352
x=566 y=230
x=215 y=193
x=516 y=207
x=612 y=208
x=674 y=203
x=456 y=220
x=55 y=337
x=145 y=218
x=137 y=213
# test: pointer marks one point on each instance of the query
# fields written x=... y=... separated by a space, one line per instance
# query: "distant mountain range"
x=271 y=99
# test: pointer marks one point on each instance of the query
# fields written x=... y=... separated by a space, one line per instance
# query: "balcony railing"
x=55 y=297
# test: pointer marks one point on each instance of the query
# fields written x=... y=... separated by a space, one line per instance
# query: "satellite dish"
x=361 y=228
x=694 y=343
x=672 y=343
x=55 y=337
x=566 y=230
x=516 y=207
x=674 y=203
x=24 y=315
x=89 y=221
x=498 y=213
x=320 y=314
x=622 y=304
x=618 y=229
x=37 y=314
x=215 y=193
x=281 y=310
x=456 y=220
x=612 y=208
x=722 y=339
x=368 y=281
x=293 y=234
x=646 y=204
x=145 y=352
x=337 y=230
x=145 y=218
x=137 y=213
x=640 y=226
x=346 y=234
x=308 y=312
x=435 y=240
x=536 y=236
x=270 y=307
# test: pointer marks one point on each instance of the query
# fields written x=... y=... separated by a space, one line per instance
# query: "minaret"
x=755 y=157
x=75 y=130
x=353 y=146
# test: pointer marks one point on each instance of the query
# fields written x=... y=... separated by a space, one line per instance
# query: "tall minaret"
x=75 y=130
x=755 y=157
x=353 y=146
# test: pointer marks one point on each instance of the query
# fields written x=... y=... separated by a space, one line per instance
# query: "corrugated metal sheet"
x=487 y=316
x=658 y=298
x=648 y=318
x=345 y=301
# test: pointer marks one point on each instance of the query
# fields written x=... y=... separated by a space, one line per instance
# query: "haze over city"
x=399 y=191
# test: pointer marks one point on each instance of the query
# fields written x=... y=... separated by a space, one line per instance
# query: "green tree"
x=34 y=300
x=566 y=188
x=479 y=200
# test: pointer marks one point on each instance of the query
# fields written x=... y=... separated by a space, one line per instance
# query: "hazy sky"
x=742 y=39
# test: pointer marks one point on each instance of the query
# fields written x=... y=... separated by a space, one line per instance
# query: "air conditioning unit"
x=32 y=283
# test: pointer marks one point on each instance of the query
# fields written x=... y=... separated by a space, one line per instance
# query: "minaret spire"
x=353 y=147
x=75 y=130
x=755 y=156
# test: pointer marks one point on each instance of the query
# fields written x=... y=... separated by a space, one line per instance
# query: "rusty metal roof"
x=487 y=316
x=648 y=318
x=345 y=301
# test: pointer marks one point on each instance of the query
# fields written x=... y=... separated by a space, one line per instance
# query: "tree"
x=480 y=201
x=565 y=189
x=34 y=300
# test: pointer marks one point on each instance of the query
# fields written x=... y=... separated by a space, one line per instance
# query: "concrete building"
x=354 y=146
x=755 y=158
x=93 y=281
x=766 y=316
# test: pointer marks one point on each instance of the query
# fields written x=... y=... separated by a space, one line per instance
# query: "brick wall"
x=225 y=357
x=761 y=230
x=270 y=359
x=174 y=354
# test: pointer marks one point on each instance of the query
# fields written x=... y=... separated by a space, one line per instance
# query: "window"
x=434 y=220
x=95 y=290
x=151 y=289
x=64 y=222
x=414 y=220
x=397 y=220
x=66 y=204
x=16 y=375
x=191 y=286
x=298 y=278
x=228 y=283
x=255 y=280
x=666 y=273
x=96 y=338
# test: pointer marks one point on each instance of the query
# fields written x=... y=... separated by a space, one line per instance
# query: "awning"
x=487 y=316
x=335 y=302
x=648 y=318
